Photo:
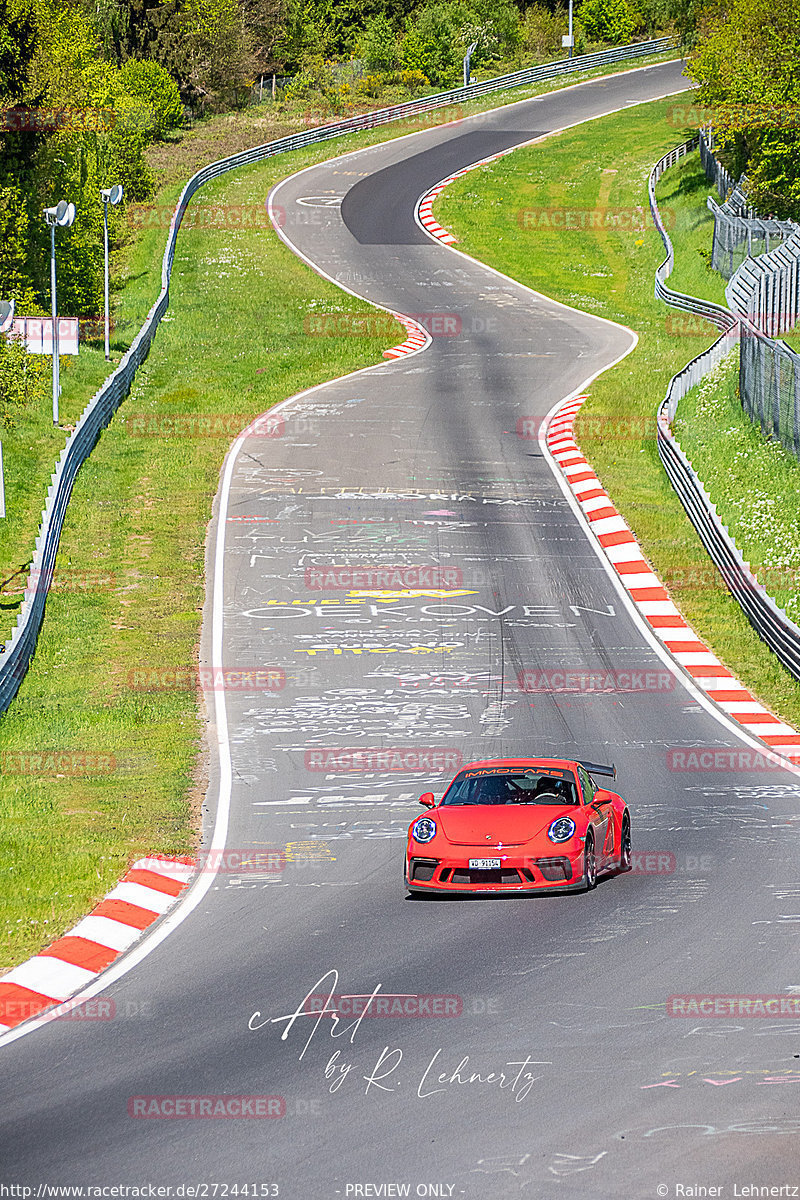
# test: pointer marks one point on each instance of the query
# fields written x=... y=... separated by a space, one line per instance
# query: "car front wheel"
x=589 y=865
x=625 y=852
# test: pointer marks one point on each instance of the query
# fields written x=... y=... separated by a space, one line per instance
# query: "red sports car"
x=519 y=825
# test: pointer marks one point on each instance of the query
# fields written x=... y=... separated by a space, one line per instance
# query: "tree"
x=439 y=34
x=377 y=46
x=607 y=20
x=747 y=63
x=431 y=45
x=157 y=93
x=17 y=44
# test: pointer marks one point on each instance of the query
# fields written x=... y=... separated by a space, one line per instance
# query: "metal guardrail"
x=770 y=622
x=723 y=318
x=18 y=649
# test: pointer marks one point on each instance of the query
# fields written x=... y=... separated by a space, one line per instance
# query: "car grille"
x=555 y=869
x=504 y=875
x=423 y=869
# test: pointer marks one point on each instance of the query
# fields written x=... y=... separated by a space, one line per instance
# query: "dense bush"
x=612 y=21
x=746 y=63
x=24 y=380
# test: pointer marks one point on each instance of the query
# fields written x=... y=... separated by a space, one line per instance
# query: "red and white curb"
x=51 y=977
x=424 y=211
x=651 y=597
x=417 y=339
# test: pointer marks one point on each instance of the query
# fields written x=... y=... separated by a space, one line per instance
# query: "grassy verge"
x=681 y=194
x=608 y=270
x=754 y=483
x=95 y=770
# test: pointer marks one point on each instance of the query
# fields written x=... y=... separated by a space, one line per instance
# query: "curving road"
x=418 y=463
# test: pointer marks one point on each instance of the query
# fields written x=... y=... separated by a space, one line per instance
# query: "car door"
x=601 y=818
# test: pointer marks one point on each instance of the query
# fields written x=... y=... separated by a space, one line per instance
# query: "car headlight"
x=561 y=830
x=423 y=830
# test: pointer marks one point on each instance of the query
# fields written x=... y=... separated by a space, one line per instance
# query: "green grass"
x=681 y=194
x=138 y=516
x=604 y=165
x=136 y=525
x=754 y=483
x=32 y=446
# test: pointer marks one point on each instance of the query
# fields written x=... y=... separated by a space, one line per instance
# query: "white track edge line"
x=188 y=901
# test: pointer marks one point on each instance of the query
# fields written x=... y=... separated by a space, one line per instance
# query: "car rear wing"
x=599 y=769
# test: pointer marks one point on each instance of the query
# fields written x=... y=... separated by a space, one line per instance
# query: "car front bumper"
x=450 y=872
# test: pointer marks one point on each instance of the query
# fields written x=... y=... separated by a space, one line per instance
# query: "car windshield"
x=512 y=787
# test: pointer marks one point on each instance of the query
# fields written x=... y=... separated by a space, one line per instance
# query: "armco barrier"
x=723 y=318
x=19 y=648
x=769 y=621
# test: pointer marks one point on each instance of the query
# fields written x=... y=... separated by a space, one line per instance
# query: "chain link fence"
x=739 y=233
x=761 y=259
x=761 y=359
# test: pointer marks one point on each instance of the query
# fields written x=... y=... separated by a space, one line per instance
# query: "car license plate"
x=484 y=864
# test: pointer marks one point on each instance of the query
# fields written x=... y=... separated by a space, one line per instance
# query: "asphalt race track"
x=418 y=463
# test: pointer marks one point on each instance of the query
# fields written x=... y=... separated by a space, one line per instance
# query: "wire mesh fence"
x=761 y=259
x=715 y=172
x=769 y=393
x=740 y=234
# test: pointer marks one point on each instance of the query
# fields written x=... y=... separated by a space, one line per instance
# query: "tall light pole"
x=62 y=215
x=108 y=196
x=6 y=317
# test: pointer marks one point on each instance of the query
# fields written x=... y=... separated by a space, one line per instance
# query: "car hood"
x=511 y=824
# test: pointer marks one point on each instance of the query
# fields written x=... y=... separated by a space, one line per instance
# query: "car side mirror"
x=428 y=800
x=601 y=796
